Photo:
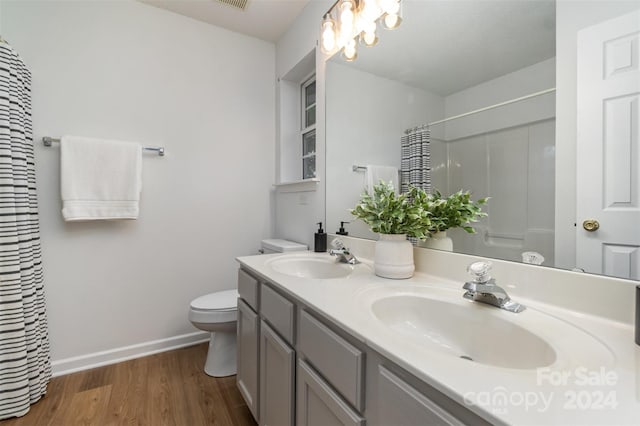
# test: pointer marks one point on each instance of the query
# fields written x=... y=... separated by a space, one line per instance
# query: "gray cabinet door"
x=248 y=337
x=277 y=366
x=340 y=363
x=400 y=404
x=318 y=404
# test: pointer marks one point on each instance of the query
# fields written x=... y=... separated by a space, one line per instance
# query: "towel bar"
x=48 y=140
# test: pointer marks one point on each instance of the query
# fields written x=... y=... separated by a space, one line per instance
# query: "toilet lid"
x=282 y=246
x=219 y=301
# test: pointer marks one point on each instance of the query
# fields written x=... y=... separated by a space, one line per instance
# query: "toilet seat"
x=215 y=308
x=226 y=300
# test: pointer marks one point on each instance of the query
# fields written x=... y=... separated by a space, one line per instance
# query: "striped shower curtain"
x=416 y=159
x=25 y=367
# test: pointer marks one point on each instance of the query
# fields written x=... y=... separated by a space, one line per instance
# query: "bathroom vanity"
x=321 y=342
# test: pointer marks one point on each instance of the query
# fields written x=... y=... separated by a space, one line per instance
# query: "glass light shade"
x=328 y=35
x=369 y=26
x=392 y=17
x=391 y=21
x=368 y=38
x=370 y=10
x=346 y=16
x=346 y=19
x=349 y=51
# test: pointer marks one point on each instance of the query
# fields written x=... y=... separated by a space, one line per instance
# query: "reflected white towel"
x=100 y=179
x=377 y=173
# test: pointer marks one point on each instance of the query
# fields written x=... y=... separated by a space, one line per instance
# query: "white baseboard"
x=98 y=359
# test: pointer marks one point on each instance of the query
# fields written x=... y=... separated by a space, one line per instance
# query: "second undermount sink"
x=441 y=320
x=312 y=266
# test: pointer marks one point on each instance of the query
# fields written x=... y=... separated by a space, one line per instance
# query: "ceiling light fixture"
x=349 y=21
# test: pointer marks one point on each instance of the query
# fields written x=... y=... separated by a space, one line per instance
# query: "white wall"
x=125 y=70
x=301 y=36
x=366 y=117
x=522 y=82
x=297 y=211
x=572 y=16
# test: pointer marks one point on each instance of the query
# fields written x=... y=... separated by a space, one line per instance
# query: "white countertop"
x=579 y=388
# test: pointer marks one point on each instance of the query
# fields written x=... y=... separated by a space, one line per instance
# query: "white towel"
x=100 y=179
x=377 y=173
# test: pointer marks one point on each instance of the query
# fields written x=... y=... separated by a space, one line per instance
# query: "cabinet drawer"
x=278 y=311
x=248 y=289
x=338 y=361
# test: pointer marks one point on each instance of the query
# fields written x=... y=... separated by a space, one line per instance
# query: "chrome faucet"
x=483 y=289
x=343 y=253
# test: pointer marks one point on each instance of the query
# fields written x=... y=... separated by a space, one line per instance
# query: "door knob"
x=590 y=225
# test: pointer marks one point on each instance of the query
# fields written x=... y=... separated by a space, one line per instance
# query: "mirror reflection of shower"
x=498 y=153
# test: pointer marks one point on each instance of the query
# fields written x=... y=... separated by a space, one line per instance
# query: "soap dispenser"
x=342 y=231
x=320 y=240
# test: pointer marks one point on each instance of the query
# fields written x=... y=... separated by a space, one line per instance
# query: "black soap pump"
x=320 y=240
x=342 y=231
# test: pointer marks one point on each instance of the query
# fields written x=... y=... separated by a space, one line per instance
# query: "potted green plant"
x=454 y=211
x=394 y=217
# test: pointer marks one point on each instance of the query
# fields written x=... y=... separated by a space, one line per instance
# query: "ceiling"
x=265 y=19
x=449 y=45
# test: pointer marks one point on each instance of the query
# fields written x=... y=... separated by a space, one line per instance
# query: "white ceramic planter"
x=438 y=241
x=394 y=257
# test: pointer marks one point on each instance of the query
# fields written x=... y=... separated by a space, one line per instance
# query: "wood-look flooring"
x=169 y=388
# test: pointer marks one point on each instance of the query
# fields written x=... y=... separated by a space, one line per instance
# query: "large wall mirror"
x=566 y=153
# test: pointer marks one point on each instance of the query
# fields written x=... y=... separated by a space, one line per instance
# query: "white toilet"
x=218 y=313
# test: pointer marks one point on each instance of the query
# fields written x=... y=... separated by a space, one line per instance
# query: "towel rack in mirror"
x=48 y=140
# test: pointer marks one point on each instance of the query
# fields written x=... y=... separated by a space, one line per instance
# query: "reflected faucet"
x=483 y=289
x=343 y=253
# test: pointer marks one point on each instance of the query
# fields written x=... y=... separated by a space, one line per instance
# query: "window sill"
x=305 y=185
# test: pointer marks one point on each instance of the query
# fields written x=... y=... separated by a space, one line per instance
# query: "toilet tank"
x=281 y=246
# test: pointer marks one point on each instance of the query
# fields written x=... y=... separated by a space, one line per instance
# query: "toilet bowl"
x=217 y=313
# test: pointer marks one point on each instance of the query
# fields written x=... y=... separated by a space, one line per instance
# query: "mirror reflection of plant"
x=388 y=213
x=454 y=211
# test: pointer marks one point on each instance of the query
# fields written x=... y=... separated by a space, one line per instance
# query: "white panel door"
x=608 y=151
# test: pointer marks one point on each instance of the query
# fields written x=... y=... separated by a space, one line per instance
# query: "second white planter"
x=394 y=257
x=438 y=241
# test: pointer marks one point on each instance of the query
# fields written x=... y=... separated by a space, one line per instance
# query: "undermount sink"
x=311 y=266
x=435 y=319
